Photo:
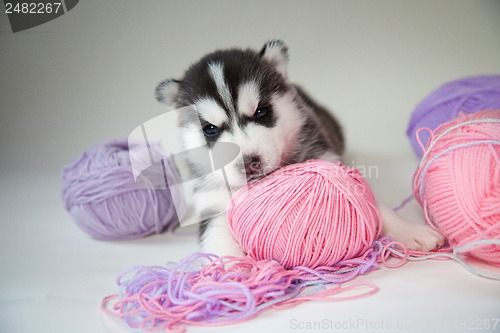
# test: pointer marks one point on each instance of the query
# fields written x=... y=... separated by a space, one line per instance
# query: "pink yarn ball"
x=309 y=214
x=458 y=182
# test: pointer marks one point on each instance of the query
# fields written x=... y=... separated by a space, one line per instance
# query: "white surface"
x=88 y=77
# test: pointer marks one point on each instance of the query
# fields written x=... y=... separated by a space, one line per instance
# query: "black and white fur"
x=244 y=97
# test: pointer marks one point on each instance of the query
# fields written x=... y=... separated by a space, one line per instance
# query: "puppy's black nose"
x=252 y=164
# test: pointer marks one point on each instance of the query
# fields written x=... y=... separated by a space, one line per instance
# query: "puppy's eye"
x=210 y=130
x=261 y=112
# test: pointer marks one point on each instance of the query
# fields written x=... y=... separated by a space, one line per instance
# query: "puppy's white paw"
x=224 y=248
x=234 y=251
x=415 y=237
x=421 y=238
x=219 y=241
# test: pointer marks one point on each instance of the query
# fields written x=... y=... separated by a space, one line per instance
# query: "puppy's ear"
x=166 y=93
x=276 y=53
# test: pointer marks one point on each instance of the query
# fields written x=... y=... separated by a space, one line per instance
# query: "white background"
x=89 y=77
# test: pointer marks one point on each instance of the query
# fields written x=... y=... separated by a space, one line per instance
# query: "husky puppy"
x=244 y=97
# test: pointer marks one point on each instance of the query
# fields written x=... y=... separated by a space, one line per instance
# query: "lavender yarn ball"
x=469 y=95
x=103 y=199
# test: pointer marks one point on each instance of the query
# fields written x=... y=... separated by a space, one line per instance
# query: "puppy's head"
x=242 y=97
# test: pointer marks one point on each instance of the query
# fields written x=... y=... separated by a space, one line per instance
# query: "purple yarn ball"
x=104 y=200
x=469 y=95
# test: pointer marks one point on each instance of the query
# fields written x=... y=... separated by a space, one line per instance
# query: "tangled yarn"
x=468 y=95
x=458 y=183
x=310 y=214
x=102 y=197
x=323 y=226
x=207 y=290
